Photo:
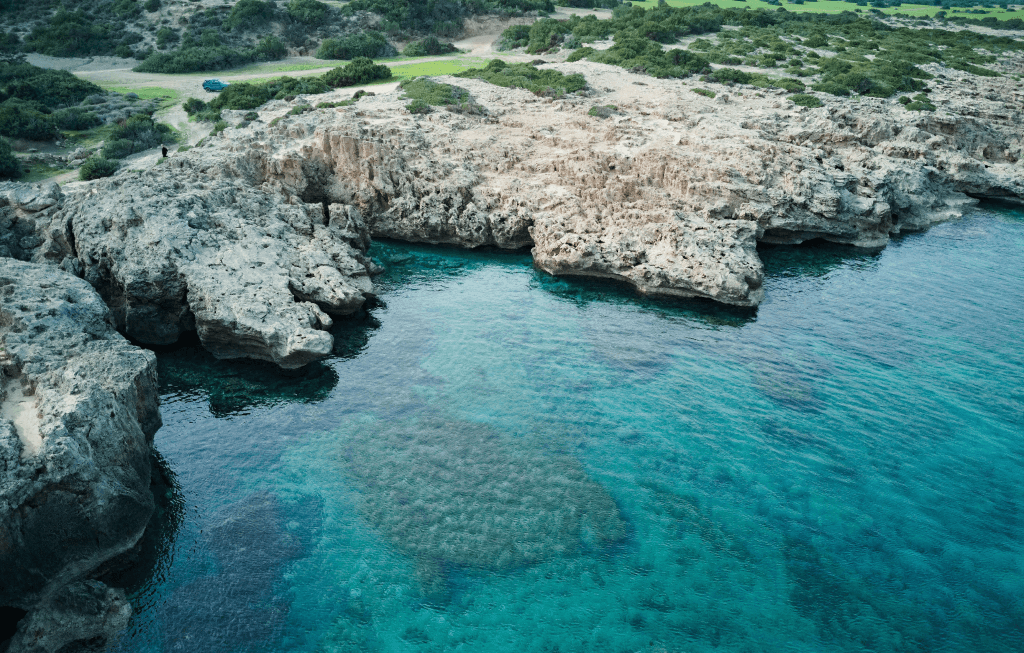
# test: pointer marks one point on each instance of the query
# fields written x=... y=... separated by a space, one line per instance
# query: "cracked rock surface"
x=257 y=238
x=78 y=411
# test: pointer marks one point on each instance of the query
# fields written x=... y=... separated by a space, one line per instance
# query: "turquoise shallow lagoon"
x=500 y=461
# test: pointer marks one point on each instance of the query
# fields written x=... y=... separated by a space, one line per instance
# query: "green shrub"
x=920 y=103
x=166 y=35
x=516 y=36
x=118 y=149
x=249 y=15
x=365 y=44
x=250 y=116
x=433 y=93
x=76 y=119
x=192 y=106
x=582 y=53
x=218 y=127
x=10 y=167
x=602 y=111
x=418 y=106
x=152 y=5
x=791 y=85
x=705 y=92
x=73 y=34
x=247 y=96
x=428 y=46
x=549 y=83
x=135 y=135
x=310 y=12
x=805 y=100
x=333 y=105
x=269 y=48
x=52 y=88
x=299 y=110
x=360 y=70
x=97 y=167
x=193 y=59
x=26 y=119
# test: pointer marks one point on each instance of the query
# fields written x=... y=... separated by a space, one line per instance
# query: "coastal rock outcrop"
x=78 y=411
x=257 y=237
x=186 y=248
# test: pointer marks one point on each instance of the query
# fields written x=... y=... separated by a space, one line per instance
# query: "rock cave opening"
x=10 y=617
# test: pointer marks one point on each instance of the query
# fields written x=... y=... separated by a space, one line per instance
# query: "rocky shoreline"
x=79 y=411
x=257 y=241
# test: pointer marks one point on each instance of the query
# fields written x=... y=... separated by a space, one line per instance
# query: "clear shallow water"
x=497 y=460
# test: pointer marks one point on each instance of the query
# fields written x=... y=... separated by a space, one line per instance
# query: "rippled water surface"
x=497 y=460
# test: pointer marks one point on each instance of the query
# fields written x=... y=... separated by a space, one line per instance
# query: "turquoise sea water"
x=498 y=460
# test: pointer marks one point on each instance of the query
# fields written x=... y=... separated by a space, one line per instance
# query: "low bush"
x=76 y=119
x=250 y=116
x=152 y=5
x=428 y=46
x=602 y=111
x=247 y=96
x=705 y=92
x=218 y=127
x=365 y=44
x=548 y=83
x=433 y=93
x=418 y=106
x=52 y=88
x=805 y=100
x=26 y=119
x=920 y=103
x=97 y=167
x=10 y=167
x=194 y=59
x=192 y=106
x=135 y=135
x=360 y=70
x=249 y=15
x=311 y=12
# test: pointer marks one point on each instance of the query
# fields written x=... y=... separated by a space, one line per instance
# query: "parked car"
x=214 y=85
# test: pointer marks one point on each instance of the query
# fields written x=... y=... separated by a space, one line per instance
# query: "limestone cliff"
x=78 y=411
x=253 y=239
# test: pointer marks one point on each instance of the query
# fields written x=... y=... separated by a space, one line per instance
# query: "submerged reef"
x=453 y=493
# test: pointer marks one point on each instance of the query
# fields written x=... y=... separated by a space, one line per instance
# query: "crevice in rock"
x=10 y=617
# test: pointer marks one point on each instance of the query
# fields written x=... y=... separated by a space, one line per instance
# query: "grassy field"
x=168 y=95
x=834 y=7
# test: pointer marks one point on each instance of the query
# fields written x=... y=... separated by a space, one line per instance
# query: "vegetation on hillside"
x=547 y=83
x=251 y=95
x=847 y=53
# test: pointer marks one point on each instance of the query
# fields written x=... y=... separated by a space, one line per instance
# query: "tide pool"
x=496 y=460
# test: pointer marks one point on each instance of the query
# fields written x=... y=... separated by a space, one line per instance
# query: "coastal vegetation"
x=250 y=95
x=547 y=83
x=837 y=54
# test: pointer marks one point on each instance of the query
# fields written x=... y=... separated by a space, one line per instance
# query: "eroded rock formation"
x=254 y=239
x=78 y=411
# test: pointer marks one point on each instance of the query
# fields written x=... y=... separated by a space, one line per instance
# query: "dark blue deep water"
x=498 y=460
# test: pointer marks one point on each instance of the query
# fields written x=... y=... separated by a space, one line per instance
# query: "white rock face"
x=255 y=238
x=79 y=407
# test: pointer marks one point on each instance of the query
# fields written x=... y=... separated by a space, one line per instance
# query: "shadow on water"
x=232 y=386
x=252 y=542
x=582 y=291
x=138 y=567
x=815 y=258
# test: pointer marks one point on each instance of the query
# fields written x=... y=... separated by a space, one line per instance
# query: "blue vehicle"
x=214 y=85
